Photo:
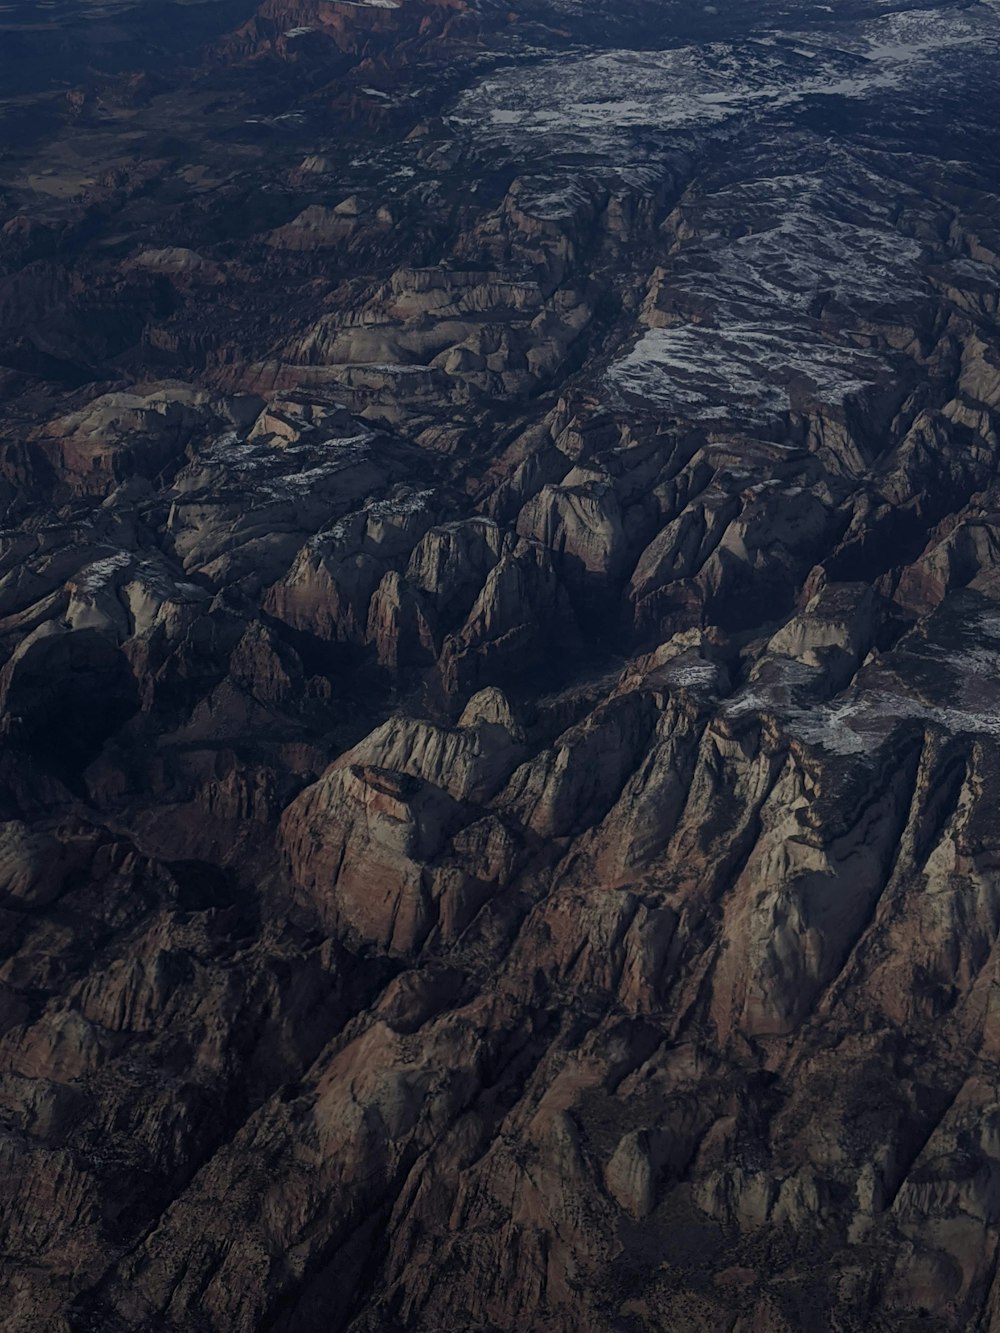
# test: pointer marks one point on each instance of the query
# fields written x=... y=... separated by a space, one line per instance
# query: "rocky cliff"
x=500 y=668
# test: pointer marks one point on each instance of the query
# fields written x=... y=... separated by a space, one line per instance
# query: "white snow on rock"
x=593 y=103
x=743 y=369
x=965 y=700
x=736 y=327
x=97 y=575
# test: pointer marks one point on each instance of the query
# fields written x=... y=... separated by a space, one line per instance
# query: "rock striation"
x=499 y=659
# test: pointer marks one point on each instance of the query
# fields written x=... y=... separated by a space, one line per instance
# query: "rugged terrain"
x=500 y=691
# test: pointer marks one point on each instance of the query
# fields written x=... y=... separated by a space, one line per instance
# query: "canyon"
x=500 y=666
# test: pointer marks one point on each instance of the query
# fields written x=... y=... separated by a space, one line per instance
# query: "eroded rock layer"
x=500 y=667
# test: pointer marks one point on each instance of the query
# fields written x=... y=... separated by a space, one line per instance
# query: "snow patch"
x=707 y=373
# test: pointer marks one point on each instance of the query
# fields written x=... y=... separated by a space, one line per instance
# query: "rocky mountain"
x=500 y=687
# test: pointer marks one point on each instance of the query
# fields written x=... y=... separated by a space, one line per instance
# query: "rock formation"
x=500 y=667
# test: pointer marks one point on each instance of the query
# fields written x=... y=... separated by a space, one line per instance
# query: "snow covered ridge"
x=589 y=102
x=96 y=575
x=965 y=696
x=740 y=331
x=741 y=369
x=733 y=322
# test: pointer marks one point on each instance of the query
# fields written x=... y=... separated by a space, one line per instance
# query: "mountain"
x=500 y=666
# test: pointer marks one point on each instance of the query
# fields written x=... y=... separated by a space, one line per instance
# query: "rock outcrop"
x=499 y=667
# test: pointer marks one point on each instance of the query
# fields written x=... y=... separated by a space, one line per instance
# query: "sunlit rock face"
x=499 y=666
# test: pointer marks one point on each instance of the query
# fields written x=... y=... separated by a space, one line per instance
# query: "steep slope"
x=499 y=643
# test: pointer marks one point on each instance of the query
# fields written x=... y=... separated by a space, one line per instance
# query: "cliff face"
x=500 y=670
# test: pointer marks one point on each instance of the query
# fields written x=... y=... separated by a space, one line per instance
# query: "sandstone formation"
x=500 y=667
